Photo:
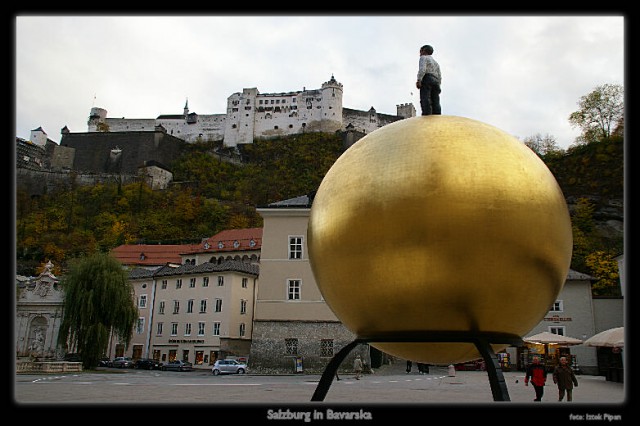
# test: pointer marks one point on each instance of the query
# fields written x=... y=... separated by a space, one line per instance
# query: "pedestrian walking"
x=429 y=80
x=564 y=377
x=357 y=367
x=409 y=366
x=537 y=375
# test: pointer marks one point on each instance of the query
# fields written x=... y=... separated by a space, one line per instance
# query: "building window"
x=203 y=306
x=142 y=301
x=190 y=306
x=243 y=306
x=164 y=284
x=291 y=346
x=245 y=282
x=187 y=329
x=218 y=305
x=176 y=306
x=192 y=282
x=201 y=329
x=557 y=306
x=140 y=325
x=293 y=289
x=159 y=329
x=216 y=328
x=161 y=307
x=179 y=283
x=295 y=247
x=205 y=281
x=174 y=328
x=559 y=330
x=243 y=328
x=326 y=347
x=220 y=280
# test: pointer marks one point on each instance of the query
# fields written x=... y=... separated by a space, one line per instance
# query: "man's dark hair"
x=428 y=49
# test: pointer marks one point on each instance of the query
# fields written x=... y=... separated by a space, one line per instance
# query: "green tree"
x=98 y=301
x=543 y=145
x=600 y=111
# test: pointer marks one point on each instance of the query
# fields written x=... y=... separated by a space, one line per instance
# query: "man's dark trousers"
x=430 y=95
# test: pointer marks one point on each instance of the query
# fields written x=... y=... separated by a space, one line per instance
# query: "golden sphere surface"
x=439 y=223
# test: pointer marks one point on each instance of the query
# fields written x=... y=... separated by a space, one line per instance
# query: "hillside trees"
x=210 y=195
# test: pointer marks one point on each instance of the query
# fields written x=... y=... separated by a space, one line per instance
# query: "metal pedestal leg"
x=480 y=340
x=496 y=378
x=330 y=371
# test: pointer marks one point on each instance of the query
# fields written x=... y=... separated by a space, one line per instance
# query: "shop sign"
x=557 y=318
x=186 y=341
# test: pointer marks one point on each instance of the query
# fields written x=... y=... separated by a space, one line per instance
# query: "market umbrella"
x=546 y=338
x=612 y=338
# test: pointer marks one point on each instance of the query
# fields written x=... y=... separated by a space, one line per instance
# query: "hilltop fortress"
x=129 y=149
x=252 y=114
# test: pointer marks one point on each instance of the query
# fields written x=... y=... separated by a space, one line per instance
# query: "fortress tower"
x=331 y=105
x=96 y=116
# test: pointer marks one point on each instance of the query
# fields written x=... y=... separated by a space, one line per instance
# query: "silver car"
x=228 y=366
x=122 y=362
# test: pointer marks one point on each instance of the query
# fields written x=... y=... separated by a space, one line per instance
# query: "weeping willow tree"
x=98 y=301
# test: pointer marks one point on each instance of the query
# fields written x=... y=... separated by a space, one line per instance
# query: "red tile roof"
x=160 y=254
x=230 y=240
x=149 y=254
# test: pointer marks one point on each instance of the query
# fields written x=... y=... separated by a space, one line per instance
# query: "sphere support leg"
x=330 y=371
x=482 y=341
x=496 y=378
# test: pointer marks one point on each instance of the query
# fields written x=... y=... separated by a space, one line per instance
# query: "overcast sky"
x=522 y=74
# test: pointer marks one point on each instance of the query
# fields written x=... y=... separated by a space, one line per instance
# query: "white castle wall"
x=251 y=114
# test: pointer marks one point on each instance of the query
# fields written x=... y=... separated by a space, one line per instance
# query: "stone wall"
x=269 y=352
x=39 y=182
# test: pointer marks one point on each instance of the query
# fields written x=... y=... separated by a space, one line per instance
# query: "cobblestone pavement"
x=388 y=391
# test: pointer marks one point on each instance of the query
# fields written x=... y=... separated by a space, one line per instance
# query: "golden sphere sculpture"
x=438 y=224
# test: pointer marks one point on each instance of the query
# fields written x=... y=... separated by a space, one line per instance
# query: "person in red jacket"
x=537 y=375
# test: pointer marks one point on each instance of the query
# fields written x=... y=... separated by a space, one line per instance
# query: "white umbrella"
x=546 y=338
x=612 y=338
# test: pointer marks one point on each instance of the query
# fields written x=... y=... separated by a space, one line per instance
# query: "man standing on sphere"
x=428 y=82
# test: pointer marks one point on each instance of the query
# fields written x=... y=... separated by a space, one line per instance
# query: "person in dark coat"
x=564 y=377
x=537 y=375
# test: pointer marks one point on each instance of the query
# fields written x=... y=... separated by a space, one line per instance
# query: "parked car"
x=104 y=362
x=147 y=364
x=122 y=362
x=73 y=357
x=228 y=366
x=177 y=365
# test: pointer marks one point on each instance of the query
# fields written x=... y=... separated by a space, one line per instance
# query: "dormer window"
x=142 y=256
x=220 y=245
x=236 y=244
